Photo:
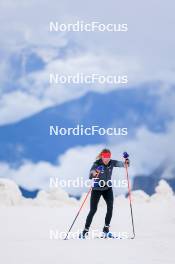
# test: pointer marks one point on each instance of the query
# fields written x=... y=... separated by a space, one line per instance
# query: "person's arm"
x=117 y=163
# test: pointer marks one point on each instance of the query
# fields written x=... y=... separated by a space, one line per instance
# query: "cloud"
x=86 y=64
x=17 y=105
x=31 y=175
x=147 y=151
x=73 y=164
x=145 y=38
x=144 y=52
x=35 y=90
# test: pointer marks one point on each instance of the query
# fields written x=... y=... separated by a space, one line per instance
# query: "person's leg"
x=109 y=199
x=95 y=197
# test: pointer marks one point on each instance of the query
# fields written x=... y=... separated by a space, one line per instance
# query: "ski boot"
x=84 y=233
x=107 y=233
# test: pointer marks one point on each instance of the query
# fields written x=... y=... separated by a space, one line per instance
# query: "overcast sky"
x=144 y=53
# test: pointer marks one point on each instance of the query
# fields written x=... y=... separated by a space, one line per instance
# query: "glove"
x=97 y=171
x=126 y=155
x=99 y=168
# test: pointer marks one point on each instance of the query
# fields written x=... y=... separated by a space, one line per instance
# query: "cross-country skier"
x=101 y=172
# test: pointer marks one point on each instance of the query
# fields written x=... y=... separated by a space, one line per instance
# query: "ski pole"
x=126 y=155
x=78 y=213
x=80 y=208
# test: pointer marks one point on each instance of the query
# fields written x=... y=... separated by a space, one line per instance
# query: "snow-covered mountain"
x=132 y=108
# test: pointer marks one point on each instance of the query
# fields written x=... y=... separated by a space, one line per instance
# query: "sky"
x=29 y=52
x=144 y=53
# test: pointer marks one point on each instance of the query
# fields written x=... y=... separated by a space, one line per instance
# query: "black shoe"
x=107 y=233
x=84 y=234
x=106 y=229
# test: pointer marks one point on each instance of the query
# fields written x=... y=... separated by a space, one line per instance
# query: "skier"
x=101 y=172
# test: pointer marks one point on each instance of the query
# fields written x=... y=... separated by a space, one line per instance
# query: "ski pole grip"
x=125 y=155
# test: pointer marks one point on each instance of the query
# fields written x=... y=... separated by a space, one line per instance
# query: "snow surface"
x=26 y=226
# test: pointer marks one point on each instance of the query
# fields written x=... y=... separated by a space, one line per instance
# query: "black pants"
x=95 y=197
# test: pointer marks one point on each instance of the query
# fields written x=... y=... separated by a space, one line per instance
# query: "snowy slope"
x=25 y=230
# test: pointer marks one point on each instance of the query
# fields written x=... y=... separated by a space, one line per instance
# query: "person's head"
x=105 y=155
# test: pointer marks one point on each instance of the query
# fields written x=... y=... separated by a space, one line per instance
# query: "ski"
x=114 y=237
x=105 y=236
x=102 y=238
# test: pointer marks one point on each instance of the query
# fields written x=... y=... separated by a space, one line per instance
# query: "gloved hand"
x=126 y=155
x=94 y=173
x=97 y=171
